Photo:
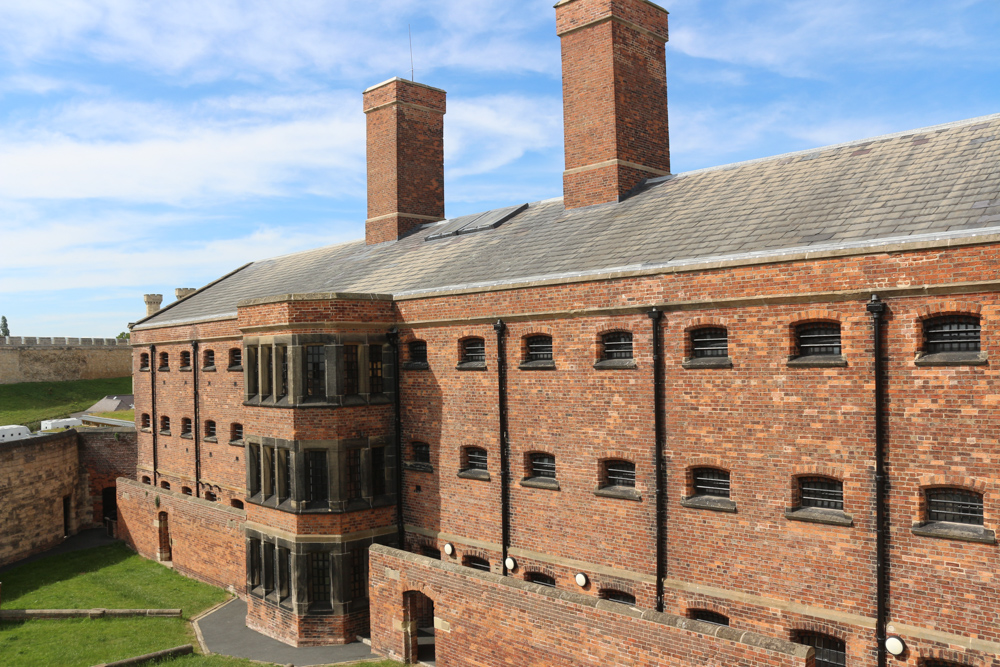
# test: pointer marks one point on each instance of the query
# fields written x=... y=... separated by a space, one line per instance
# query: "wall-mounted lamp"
x=894 y=645
x=510 y=563
x=581 y=579
x=449 y=549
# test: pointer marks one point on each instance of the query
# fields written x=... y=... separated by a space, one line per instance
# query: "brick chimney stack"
x=614 y=97
x=153 y=302
x=405 y=158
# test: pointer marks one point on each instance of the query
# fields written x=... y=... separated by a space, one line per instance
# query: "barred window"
x=281 y=357
x=475 y=458
x=235 y=432
x=614 y=595
x=235 y=357
x=284 y=568
x=186 y=426
x=375 y=384
x=210 y=495
x=186 y=490
x=146 y=422
x=378 y=471
x=474 y=349
x=208 y=359
x=318 y=574
x=421 y=452
x=708 y=616
x=284 y=473
x=146 y=480
x=359 y=574
x=268 y=568
x=165 y=485
x=254 y=473
x=541 y=579
x=209 y=429
x=315 y=360
x=540 y=348
x=185 y=359
x=711 y=482
x=350 y=370
x=476 y=563
x=164 y=361
x=821 y=492
x=418 y=351
x=266 y=367
x=818 y=339
x=353 y=474
x=955 y=505
x=953 y=333
x=710 y=342
x=268 y=474
x=619 y=473
x=830 y=651
x=317 y=477
x=617 y=345
x=543 y=465
x=144 y=361
x=251 y=376
x=164 y=424
x=253 y=563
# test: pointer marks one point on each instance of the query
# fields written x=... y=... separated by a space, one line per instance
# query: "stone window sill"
x=548 y=483
x=538 y=365
x=146 y=430
x=415 y=366
x=237 y=369
x=471 y=366
x=418 y=466
x=208 y=369
x=823 y=515
x=713 y=503
x=622 y=492
x=947 y=530
x=237 y=443
x=475 y=473
x=379 y=399
x=163 y=369
x=211 y=438
x=952 y=359
x=818 y=361
x=185 y=369
x=165 y=432
x=707 y=362
x=614 y=364
x=187 y=436
x=144 y=369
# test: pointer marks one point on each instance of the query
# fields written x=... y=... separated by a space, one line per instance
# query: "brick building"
x=699 y=419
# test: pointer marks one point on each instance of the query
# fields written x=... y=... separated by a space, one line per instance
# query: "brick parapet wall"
x=482 y=618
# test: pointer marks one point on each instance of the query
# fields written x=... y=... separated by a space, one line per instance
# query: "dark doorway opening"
x=163 y=554
x=109 y=503
x=419 y=614
x=67 y=504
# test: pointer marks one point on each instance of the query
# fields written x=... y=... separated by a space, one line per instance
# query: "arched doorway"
x=418 y=616
x=163 y=553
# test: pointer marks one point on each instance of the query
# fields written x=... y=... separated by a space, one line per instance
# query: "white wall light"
x=581 y=579
x=448 y=549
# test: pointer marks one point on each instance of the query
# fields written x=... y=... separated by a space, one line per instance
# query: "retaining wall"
x=29 y=359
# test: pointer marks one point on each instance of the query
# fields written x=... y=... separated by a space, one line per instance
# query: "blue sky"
x=148 y=145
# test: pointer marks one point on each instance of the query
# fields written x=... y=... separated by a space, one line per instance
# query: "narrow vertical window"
x=209 y=359
x=209 y=429
x=164 y=362
x=269 y=472
x=375 y=369
x=353 y=474
x=350 y=370
x=251 y=374
x=284 y=574
x=146 y=423
x=253 y=469
x=266 y=367
x=186 y=427
x=267 y=566
x=235 y=358
x=282 y=358
x=253 y=564
x=185 y=359
x=144 y=361
x=319 y=580
x=315 y=360
x=378 y=471
x=317 y=475
x=359 y=573
x=165 y=425
x=283 y=473
x=236 y=433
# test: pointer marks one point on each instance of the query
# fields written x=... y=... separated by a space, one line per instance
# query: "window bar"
x=953 y=334
x=474 y=350
x=711 y=482
x=821 y=492
x=618 y=345
x=543 y=465
x=621 y=473
x=955 y=505
x=540 y=348
x=710 y=343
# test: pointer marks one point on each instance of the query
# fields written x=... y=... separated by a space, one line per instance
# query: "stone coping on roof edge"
x=719 y=631
x=314 y=296
x=407 y=81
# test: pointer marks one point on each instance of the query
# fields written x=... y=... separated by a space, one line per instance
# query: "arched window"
x=830 y=651
x=710 y=482
x=185 y=359
x=209 y=429
x=236 y=359
x=186 y=490
x=145 y=422
x=238 y=504
x=210 y=495
x=144 y=361
x=541 y=579
x=815 y=339
x=417 y=352
x=709 y=342
x=616 y=345
x=476 y=458
x=473 y=350
x=822 y=492
x=541 y=465
x=146 y=480
x=165 y=425
x=165 y=485
x=186 y=427
x=619 y=473
x=708 y=616
x=939 y=663
x=476 y=563
x=208 y=359
x=952 y=333
x=164 y=362
x=954 y=505
x=236 y=432
x=539 y=348
x=615 y=595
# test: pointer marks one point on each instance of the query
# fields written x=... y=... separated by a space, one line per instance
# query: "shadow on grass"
x=22 y=580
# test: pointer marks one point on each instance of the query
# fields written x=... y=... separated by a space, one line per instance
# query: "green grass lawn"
x=28 y=403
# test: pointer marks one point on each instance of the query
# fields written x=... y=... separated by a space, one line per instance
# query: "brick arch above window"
x=949 y=308
x=928 y=656
x=977 y=484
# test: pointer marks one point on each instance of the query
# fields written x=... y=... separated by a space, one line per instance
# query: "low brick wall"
x=486 y=619
x=206 y=538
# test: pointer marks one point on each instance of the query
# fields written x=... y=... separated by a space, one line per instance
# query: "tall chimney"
x=614 y=97
x=405 y=158
x=182 y=292
x=153 y=302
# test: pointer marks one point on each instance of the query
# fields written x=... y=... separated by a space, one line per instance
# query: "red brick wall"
x=482 y=620
x=105 y=455
x=316 y=630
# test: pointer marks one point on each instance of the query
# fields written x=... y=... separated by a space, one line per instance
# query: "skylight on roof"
x=469 y=224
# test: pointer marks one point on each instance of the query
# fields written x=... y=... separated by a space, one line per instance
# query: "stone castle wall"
x=28 y=359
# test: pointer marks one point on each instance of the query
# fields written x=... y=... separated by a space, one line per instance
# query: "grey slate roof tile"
x=862 y=191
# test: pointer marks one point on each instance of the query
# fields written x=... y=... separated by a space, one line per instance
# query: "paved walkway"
x=225 y=632
x=85 y=539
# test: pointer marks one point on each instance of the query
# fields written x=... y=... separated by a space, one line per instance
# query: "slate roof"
x=929 y=184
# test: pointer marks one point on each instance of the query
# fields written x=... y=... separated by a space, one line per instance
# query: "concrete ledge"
x=31 y=614
x=151 y=657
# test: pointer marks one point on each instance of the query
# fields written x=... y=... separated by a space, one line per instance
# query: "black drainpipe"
x=661 y=511
x=877 y=308
x=393 y=337
x=154 y=424
x=196 y=427
x=501 y=329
